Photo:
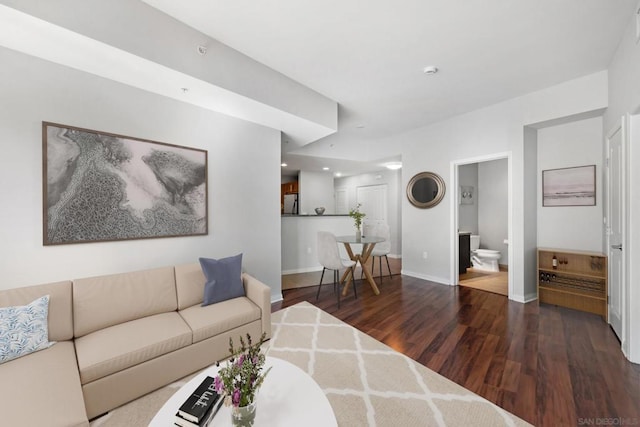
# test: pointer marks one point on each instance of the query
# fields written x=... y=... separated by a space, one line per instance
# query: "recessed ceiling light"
x=325 y=168
x=284 y=165
x=184 y=89
x=394 y=165
x=430 y=69
x=338 y=174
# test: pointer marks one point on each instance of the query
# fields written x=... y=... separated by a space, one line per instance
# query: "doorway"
x=373 y=199
x=615 y=225
x=481 y=213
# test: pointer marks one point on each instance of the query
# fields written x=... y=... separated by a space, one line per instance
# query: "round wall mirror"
x=425 y=190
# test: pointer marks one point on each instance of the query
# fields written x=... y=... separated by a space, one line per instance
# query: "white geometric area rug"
x=368 y=383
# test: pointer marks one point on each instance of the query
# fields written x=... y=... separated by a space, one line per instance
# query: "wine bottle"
x=554 y=262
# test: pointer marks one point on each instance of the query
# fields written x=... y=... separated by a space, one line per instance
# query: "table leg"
x=347 y=246
x=366 y=253
x=353 y=257
x=345 y=288
x=360 y=258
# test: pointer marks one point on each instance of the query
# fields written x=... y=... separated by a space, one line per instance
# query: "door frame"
x=631 y=341
x=620 y=126
x=454 y=257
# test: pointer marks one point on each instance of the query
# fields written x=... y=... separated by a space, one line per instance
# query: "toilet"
x=483 y=259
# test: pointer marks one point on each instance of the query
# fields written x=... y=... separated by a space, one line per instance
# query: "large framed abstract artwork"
x=569 y=186
x=99 y=187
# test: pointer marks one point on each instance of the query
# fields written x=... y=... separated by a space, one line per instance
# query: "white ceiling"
x=369 y=56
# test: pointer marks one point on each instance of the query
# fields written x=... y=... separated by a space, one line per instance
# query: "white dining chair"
x=329 y=258
x=381 y=249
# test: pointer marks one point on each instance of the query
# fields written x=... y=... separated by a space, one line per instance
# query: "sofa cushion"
x=215 y=319
x=189 y=284
x=60 y=315
x=47 y=379
x=100 y=302
x=23 y=329
x=118 y=347
x=224 y=279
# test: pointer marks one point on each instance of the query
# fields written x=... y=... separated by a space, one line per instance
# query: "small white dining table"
x=368 y=243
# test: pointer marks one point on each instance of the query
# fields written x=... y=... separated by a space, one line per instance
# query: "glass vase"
x=358 y=234
x=243 y=416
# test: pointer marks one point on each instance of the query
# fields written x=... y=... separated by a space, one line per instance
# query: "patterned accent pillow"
x=24 y=329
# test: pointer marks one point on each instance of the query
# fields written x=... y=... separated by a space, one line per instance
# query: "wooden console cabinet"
x=578 y=281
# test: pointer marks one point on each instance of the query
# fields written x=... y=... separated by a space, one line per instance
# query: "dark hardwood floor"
x=550 y=366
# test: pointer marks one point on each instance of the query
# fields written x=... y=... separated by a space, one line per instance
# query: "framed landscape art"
x=99 y=186
x=569 y=186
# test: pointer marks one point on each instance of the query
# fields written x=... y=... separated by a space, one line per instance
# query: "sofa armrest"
x=260 y=294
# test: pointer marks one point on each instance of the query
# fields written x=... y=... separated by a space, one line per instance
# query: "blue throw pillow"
x=224 y=279
x=24 y=329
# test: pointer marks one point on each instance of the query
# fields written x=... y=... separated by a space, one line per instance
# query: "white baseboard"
x=302 y=270
x=319 y=267
x=440 y=280
x=527 y=298
x=276 y=298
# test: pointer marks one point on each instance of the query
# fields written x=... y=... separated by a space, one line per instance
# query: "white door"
x=615 y=226
x=373 y=199
x=342 y=201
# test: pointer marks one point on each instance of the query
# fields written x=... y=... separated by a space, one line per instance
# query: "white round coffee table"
x=288 y=397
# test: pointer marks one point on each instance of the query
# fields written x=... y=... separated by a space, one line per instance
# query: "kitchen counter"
x=309 y=215
x=300 y=239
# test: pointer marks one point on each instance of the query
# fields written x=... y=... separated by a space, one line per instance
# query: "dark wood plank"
x=549 y=365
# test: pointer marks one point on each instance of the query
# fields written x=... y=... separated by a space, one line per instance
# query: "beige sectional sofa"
x=119 y=337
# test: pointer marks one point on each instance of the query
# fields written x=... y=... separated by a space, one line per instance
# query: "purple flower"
x=240 y=360
x=217 y=384
x=235 y=399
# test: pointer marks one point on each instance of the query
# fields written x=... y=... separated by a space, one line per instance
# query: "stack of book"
x=200 y=408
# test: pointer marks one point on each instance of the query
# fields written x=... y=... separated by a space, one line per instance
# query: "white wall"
x=300 y=240
x=468 y=214
x=495 y=130
x=624 y=97
x=288 y=178
x=171 y=43
x=568 y=145
x=315 y=189
x=244 y=175
x=530 y=221
x=483 y=133
x=493 y=206
x=394 y=206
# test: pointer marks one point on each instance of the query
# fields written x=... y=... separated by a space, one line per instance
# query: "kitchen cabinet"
x=287 y=188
